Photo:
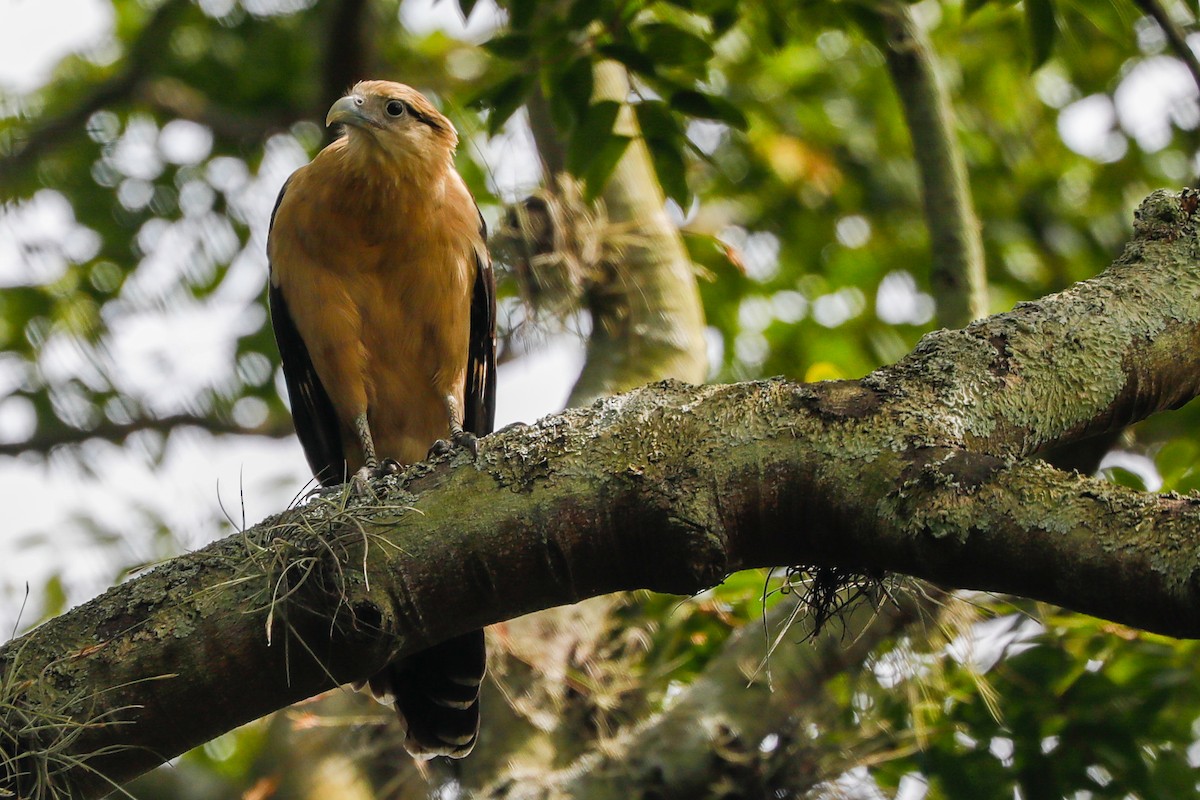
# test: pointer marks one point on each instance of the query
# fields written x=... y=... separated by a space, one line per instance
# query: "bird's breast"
x=386 y=287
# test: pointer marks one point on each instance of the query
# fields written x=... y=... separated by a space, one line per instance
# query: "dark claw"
x=467 y=441
x=440 y=448
x=389 y=466
x=464 y=439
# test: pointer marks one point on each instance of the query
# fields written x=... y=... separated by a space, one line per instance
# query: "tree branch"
x=549 y=144
x=45 y=441
x=711 y=735
x=1175 y=36
x=958 y=275
x=1177 y=40
x=349 y=48
x=647 y=324
x=913 y=469
x=174 y=97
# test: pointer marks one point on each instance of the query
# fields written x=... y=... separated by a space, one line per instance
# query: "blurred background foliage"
x=142 y=411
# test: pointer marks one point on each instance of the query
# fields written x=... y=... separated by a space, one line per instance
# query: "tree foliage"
x=137 y=181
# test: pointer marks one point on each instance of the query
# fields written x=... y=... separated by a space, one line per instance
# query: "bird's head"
x=395 y=117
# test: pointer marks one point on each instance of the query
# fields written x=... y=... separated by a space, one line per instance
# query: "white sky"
x=35 y=34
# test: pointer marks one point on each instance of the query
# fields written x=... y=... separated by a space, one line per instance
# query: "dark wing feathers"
x=480 y=397
x=312 y=411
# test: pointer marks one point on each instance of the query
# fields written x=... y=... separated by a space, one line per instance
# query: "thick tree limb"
x=915 y=468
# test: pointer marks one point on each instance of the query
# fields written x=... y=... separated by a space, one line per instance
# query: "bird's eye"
x=395 y=108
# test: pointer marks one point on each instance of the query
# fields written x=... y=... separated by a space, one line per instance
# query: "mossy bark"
x=918 y=468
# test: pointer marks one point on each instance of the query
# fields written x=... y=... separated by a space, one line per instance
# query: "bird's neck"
x=375 y=169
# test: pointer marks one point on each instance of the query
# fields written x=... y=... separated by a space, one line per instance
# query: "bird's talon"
x=360 y=482
x=464 y=439
x=468 y=441
x=389 y=466
x=440 y=447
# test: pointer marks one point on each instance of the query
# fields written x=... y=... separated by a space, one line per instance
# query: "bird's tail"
x=436 y=693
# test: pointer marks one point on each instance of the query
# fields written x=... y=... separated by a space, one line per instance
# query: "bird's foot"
x=360 y=482
x=464 y=439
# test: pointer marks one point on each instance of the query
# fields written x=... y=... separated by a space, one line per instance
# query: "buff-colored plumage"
x=377 y=267
x=383 y=306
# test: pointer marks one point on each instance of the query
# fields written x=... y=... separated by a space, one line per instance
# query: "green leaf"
x=591 y=136
x=722 y=21
x=513 y=46
x=664 y=137
x=707 y=106
x=1114 y=20
x=627 y=10
x=570 y=92
x=503 y=98
x=1175 y=461
x=1042 y=22
x=628 y=55
x=603 y=163
x=715 y=8
x=656 y=121
x=671 y=170
x=54 y=597
x=582 y=13
x=673 y=46
x=871 y=22
x=1123 y=477
x=971 y=6
x=521 y=13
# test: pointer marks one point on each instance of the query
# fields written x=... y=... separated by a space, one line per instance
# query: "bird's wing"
x=479 y=414
x=312 y=411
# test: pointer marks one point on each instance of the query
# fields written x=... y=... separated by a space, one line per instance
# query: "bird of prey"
x=383 y=305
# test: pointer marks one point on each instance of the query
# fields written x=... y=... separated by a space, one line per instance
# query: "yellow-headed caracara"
x=383 y=304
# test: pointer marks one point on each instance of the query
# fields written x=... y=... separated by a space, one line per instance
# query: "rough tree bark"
x=919 y=468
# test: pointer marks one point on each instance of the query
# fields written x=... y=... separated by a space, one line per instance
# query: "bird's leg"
x=371 y=468
x=458 y=436
x=363 y=429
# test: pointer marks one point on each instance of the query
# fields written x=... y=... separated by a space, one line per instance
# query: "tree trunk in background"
x=651 y=326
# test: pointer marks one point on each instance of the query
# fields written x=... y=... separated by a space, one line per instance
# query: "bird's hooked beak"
x=349 y=111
